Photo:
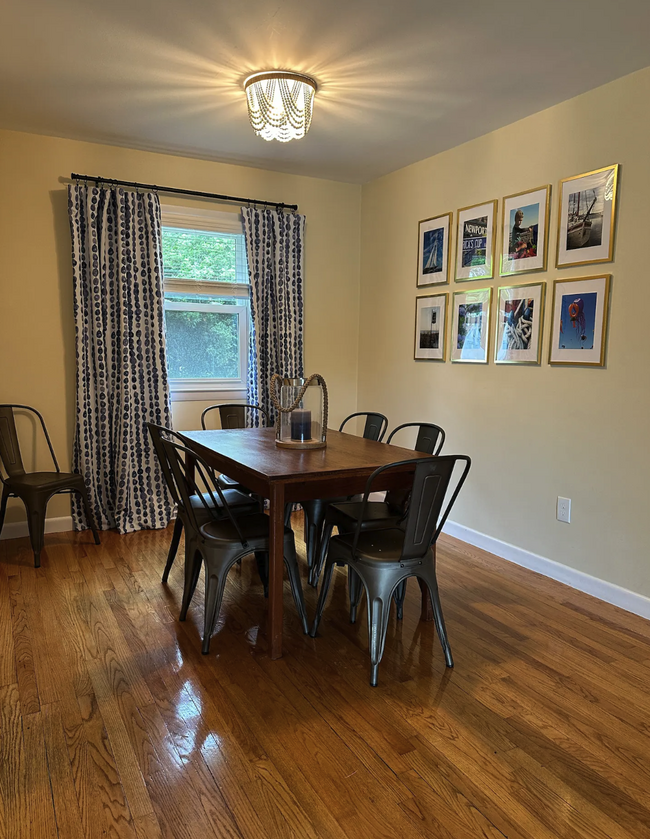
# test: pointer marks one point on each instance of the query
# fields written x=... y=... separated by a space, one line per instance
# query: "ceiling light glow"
x=280 y=104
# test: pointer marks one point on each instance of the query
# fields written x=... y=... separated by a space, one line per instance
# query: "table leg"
x=276 y=569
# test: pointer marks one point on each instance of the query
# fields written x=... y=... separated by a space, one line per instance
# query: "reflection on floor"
x=112 y=723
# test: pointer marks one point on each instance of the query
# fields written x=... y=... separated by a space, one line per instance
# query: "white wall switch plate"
x=563 y=509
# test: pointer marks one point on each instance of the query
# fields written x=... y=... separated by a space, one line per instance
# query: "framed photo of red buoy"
x=580 y=309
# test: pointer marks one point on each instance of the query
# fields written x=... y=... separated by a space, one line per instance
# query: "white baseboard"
x=18 y=529
x=638 y=604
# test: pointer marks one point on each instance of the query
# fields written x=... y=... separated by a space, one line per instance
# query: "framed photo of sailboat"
x=431 y=327
x=433 y=250
x=587 y=217
x=524 y=235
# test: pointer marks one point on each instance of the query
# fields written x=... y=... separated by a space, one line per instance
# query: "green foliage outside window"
x=198 y=255
x=201 y=344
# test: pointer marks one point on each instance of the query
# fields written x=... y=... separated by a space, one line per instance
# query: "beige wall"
x=37 y=364
x=533 y=432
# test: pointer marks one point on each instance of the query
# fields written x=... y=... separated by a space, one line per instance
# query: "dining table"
x=250 y=457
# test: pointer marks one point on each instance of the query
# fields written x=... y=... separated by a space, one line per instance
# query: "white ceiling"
x=398 y=81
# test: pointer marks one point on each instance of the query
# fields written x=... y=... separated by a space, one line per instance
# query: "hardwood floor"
x=113 y=724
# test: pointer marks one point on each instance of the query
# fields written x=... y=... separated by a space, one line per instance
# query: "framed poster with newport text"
x=475 y=237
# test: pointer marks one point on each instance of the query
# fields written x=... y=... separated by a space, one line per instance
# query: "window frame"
x=212 y=221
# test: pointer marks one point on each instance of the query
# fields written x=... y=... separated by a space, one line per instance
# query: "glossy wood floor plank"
x=113 y=724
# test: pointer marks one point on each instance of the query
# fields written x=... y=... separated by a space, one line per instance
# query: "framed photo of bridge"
x=433 y=250
x=475 y=238
x=587 y=217
x=470 y=325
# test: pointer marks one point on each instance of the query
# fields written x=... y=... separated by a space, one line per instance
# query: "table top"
x=255 y=450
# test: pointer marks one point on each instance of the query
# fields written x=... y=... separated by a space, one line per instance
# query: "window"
x=207 y=314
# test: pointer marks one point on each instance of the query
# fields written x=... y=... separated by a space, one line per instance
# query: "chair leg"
x=398 y=597
x=429 y=577
x=3 y=506
x=173 y=548
x=89 y=516
x=193 y=561
x=36 y=522
x=355 y=589
x=293 y=572
x=262 y=560
x=214 y=586
x=317 y=568
x=379 y=597
x=322 y=597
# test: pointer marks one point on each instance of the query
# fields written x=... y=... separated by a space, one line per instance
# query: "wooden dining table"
x=251 y=457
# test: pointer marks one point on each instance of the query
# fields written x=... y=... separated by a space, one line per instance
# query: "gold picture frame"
x=586 y=222
x=521 y=332
x=471 y=350
x=479 y=235
x=439 y=251
x=582 y=305
x=437 y=338
x=535 y=223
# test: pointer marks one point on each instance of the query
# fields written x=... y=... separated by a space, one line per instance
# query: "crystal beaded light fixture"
x=280 y=104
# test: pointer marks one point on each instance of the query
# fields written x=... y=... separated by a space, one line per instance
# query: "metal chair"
x=241 y=503
x=382 y=559
x=233 y=415
x=221 y=541
x=315 y=510
x=34 y=488
x=379 y=514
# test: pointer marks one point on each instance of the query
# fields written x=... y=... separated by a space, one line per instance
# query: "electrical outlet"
x=564 y=509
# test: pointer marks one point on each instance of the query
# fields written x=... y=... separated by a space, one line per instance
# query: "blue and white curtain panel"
x=121 y=365
x=275 y=253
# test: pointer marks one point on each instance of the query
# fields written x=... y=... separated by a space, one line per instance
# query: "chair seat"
x=240 y=503
x=253 y=527
x=347 y=514
x=227 y=483
x=373 y=546
x=43 y=480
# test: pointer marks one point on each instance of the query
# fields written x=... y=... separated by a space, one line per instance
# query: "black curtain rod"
x=175 y=191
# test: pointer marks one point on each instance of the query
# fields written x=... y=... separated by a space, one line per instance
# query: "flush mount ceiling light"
x=280 y=104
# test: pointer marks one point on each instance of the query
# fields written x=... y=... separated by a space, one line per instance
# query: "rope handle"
x=276 y=402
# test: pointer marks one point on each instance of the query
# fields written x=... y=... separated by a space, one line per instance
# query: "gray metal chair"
x=234 y=415
x=382 y=559
x=222 y=541
x=34 y=488
x=315 y=510
x=239 y=502
x=379 y=514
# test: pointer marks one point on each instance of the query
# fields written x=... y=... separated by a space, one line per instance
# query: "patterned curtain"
x=274 y=248
x=121 y=365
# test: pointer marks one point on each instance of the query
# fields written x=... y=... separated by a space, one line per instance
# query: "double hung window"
x=207 y=314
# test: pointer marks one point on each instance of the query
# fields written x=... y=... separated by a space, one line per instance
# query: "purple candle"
x=301 y=425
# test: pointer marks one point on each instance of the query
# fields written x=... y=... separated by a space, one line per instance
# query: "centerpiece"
x=301 y=407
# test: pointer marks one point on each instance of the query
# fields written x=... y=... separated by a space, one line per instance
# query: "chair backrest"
x=9 y=445
x=233 y=415
x=427 y=512
x=430 y=439
x=183 y=484
x=158 y=433
x=375 y=427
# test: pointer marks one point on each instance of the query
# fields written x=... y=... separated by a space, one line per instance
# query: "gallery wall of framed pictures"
x=586 y=226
